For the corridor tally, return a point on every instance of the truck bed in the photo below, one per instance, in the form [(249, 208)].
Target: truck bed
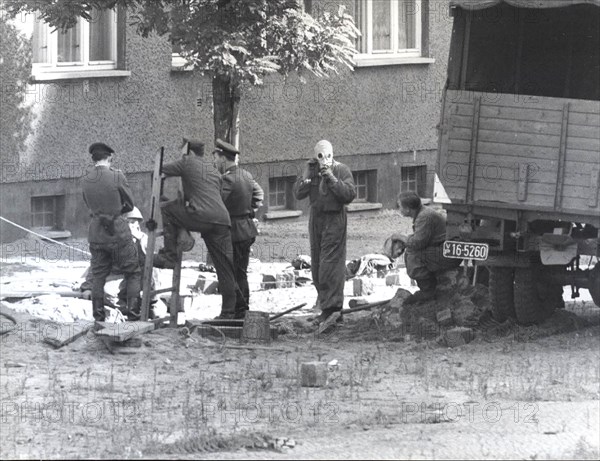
[(529, 152)]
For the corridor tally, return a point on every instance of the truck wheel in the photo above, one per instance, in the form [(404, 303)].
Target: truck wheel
[(595, 284), (502, 293), (534, 303)]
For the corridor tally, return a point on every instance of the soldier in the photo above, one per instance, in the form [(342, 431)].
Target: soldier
[(201, 210), (242, 196), (329, 186), (106, 193), (424, 248)]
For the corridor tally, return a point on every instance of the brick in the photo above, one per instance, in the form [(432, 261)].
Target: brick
[(313, 374), (459, 336), (362, 286), (444, 317)]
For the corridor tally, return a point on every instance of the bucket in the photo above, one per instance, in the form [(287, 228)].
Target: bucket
[(256, 327)]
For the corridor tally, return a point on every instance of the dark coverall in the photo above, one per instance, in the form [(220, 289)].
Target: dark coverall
[(327, 230), (241, 195), (424, 248), (107, 195), (202, 210)]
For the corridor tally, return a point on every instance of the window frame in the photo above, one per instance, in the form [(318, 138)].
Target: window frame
[(356, 175), (420, 178), (278, 180), (395, 54), (56, 214), (53, 70)]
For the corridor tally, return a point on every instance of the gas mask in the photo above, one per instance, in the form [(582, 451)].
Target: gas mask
[(324, 154)]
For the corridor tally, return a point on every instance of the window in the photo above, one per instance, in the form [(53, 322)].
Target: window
[(414, 178), (390, 29), (47, 212), (280, 193), (89, 46), (361, 182)]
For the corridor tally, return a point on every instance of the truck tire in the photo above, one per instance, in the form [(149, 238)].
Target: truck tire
[(534, 303), (502, 293)]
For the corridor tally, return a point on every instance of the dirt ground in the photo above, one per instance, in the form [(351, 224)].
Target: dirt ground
[(394, 389)]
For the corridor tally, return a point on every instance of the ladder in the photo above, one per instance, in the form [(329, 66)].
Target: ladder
[(147, 292)]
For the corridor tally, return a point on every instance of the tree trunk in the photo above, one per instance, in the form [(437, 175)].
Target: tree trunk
[(226, 113)]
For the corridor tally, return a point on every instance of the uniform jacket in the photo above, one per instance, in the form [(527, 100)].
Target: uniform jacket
[(201, 188), (107, 194), (328, 196), (241, 195), (429, 228)]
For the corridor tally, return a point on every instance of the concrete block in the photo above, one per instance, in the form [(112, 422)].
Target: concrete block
[(459, 336), (392, 279), (206, 284), (444, 317), (285, 280), (313, 374), (362, 286), (268, 282)]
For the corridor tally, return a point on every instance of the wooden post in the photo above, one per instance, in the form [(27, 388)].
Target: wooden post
[(562, 152), (154, 212), (473, 149)]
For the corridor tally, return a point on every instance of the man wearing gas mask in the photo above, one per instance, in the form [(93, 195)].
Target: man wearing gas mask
[(329, 186)]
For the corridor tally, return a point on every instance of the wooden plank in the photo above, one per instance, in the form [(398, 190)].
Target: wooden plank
[(579, 119), (582, 156), (583, 131), (521, 113), (66, 333), (580, 205), (175, 301), (523, 139), (522, 185), (458, 145), (517, 151), (461, 133), (594, 185), (520, 126), (583, 106), (591, 145), (562, 151), (154, 214), (123, 331), (473, 151), (461, 121), (460, 108), (510, 164)]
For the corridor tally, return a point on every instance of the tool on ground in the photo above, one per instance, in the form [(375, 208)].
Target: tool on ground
[(292, 309)]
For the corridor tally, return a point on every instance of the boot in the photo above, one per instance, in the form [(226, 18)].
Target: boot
[(426, 291), (133, 309), (185, 241), (98, 309)]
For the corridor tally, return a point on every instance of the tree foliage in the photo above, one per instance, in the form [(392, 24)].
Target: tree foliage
[(236, 42)]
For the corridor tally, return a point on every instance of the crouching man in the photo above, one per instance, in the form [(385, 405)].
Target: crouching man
[(424, 248)]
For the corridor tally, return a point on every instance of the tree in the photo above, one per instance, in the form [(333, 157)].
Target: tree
[(235, 42)]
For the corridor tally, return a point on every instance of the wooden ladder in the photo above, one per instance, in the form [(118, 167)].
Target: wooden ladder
[(147, 292)]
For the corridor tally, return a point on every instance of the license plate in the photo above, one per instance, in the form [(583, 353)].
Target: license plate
[(466, 250)]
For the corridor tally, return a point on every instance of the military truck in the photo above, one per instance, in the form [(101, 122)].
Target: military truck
[(519, 150)]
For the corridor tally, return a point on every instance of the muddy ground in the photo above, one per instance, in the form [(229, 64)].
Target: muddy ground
[(394, 388)]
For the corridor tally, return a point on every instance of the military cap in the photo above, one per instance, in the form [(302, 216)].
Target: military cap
[(100, 147), (226, 149), (196, 146)]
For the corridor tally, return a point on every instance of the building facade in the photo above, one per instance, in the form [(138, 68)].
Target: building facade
[(103, 82)]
